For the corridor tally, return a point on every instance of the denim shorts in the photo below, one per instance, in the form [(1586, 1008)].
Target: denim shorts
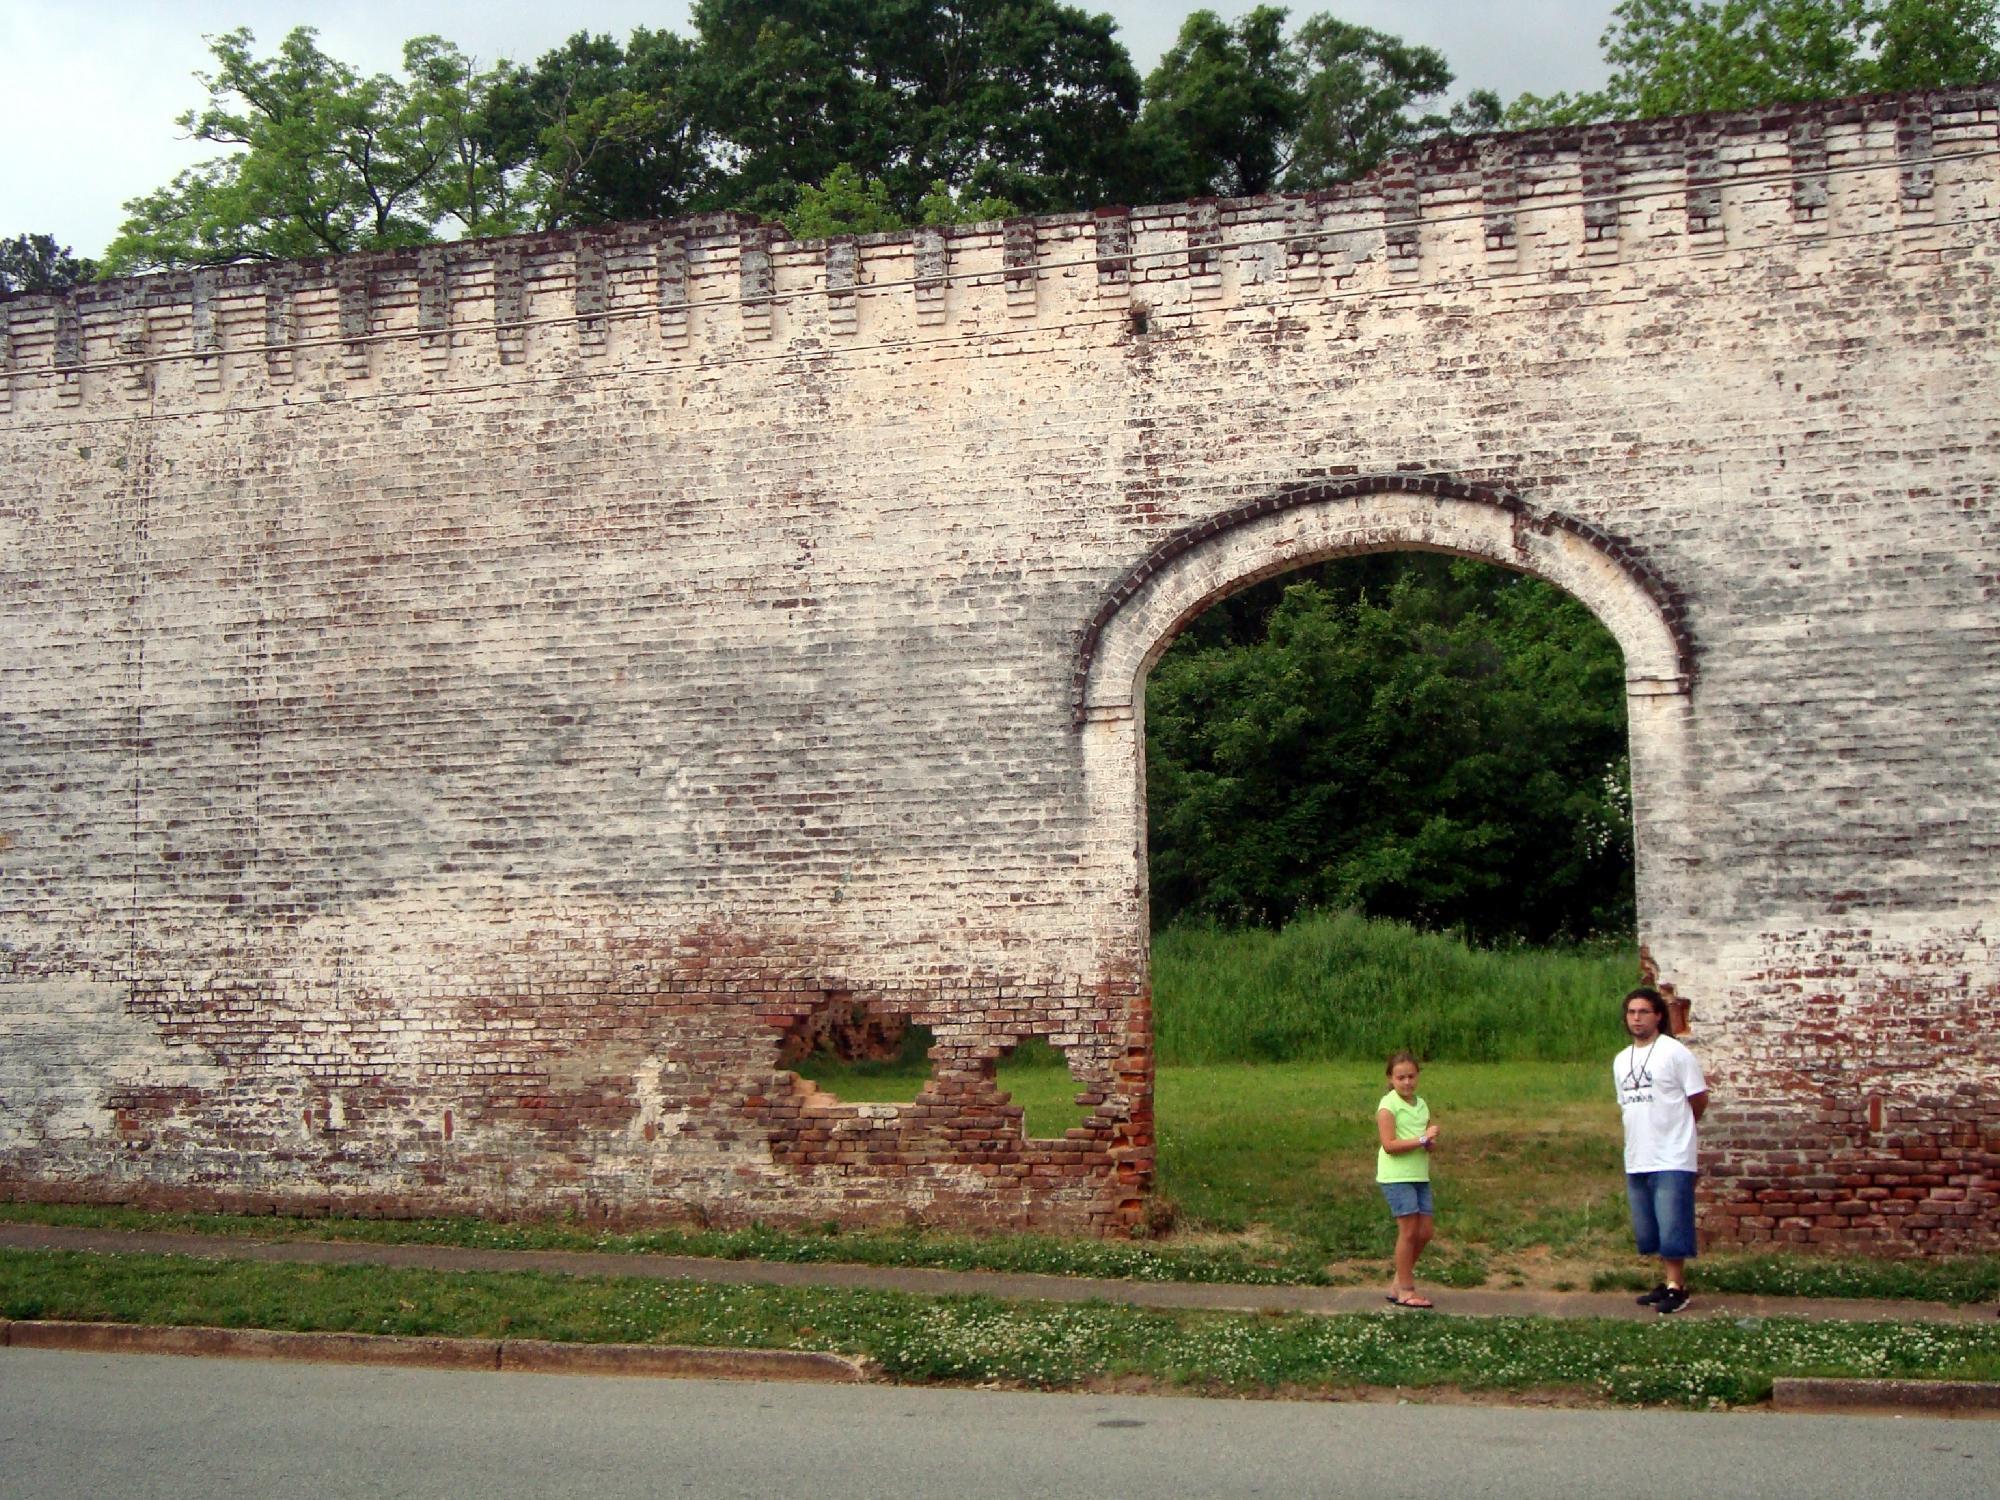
[(1406, 1198), (1662, 1213)]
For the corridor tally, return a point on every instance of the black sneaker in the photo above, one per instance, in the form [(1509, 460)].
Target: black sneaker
[(1652, 1298), (1675, 1299)]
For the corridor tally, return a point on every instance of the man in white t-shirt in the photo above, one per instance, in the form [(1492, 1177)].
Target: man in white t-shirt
[(1662, 1094)]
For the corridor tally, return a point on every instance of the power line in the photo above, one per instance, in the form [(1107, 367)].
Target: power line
[(1294, 235), (1291, 236), (968, 341)]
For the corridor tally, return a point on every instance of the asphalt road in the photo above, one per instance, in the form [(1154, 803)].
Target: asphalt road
[(140, 1426)]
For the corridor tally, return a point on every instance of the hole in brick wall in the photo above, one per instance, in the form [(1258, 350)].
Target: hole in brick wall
[(857, 1052), (1142, 321), (1036, 1076)]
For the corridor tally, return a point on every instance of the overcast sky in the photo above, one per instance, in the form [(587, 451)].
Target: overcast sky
[(89, 88)]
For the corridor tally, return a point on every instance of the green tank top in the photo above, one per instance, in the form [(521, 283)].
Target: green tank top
[(1404, 1166)]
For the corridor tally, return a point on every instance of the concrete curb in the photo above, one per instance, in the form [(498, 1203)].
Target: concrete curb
[(525, 1356), (1931, 1398), (1935, 1398), (544, 1357), (257, 1343)]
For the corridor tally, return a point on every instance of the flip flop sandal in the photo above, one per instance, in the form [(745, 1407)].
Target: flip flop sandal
[(1422, 1302)]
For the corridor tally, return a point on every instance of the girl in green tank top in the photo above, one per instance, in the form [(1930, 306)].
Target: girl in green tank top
[(1403, 1169)]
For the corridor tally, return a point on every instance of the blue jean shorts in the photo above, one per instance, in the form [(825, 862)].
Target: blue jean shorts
[(1662, 1213), (1406, 1198)]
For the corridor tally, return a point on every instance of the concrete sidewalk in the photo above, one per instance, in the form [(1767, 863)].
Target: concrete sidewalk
[(1481, 1303)]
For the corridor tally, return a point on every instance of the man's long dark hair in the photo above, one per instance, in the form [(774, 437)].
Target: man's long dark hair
[(1653, 998)]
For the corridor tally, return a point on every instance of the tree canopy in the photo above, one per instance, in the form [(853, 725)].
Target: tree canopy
[(844, 115), (36, 263), (601, 131), (325, 160), (1672, 57), (1244, 108), (1412, 736), (1029, 100), (848, 203)]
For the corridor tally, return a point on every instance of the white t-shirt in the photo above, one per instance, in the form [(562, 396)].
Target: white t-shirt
[(1654, 1083)]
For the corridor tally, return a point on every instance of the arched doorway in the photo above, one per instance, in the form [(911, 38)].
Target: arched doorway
[(1315, 523)]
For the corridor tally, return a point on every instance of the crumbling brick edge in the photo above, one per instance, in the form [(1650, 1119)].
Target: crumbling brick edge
[(519, 1356), (1938, 1398)]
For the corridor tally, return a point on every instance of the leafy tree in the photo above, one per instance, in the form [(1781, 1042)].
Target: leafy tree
[(943, 206), (1479, 111), (1029, 100), (1222, 106), (1929, 44), (1359, 89), (845, 203), (845, 115), (1412, 736), (612, 132), (1241, 108), (1687, 56), (36, 263), (848, 203), (327, 161), (475, 179)]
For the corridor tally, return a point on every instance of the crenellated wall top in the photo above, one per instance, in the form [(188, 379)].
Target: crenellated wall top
[(1505, 211)]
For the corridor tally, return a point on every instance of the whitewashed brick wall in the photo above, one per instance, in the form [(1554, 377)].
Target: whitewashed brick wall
[(459, 708)]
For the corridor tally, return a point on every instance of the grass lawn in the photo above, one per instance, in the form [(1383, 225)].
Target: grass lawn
[(1334, 985), (1279, 1159), (980, 1340), (1529, 1163)]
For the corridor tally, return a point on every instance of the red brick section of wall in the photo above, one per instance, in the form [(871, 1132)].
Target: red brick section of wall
[(1864, 1112), (461, 710), (557, 1083)]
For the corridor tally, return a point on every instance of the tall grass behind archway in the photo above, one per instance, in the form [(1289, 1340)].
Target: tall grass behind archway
[(1338, 985)]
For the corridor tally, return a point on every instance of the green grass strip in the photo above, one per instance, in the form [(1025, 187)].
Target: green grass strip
[(1688, 1362), (1122, 1260), (1957, 1280)]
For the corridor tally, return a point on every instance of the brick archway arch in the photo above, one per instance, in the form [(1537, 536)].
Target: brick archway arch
[(1310, 523)]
